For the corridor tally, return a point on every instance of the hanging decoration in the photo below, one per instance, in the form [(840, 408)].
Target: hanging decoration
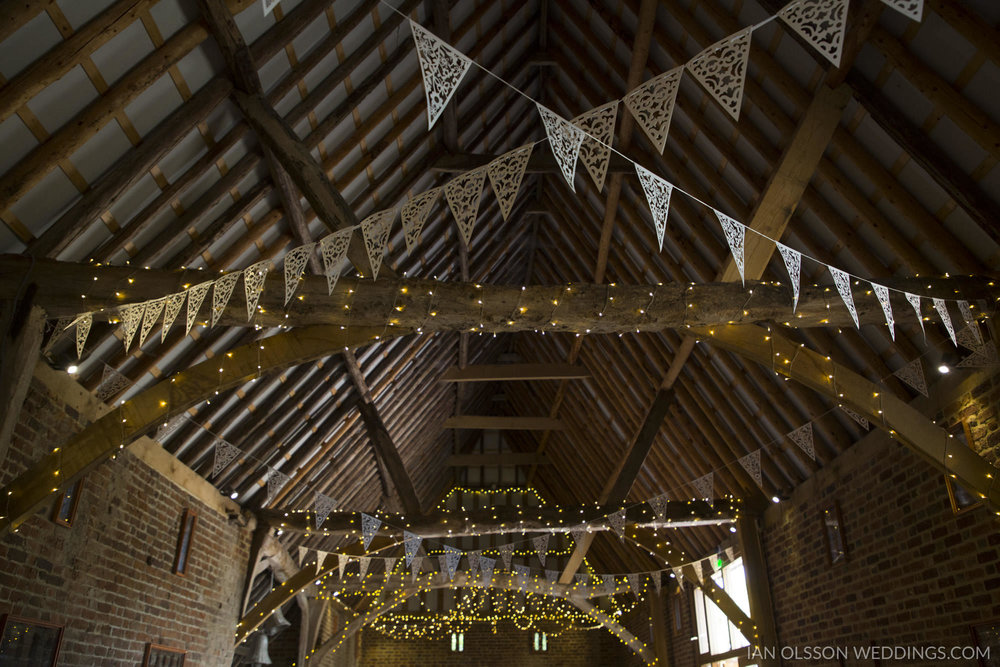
[(972, 326), (633, 583), (506, 173), (473, 557), (486, 566), (608, 583), (551, 576), (913, 375), (843, 282), (414, 215), (253, 284), (659, 506), (276, 480), (369, 526), (449, 561), (171, 309), (225, 453), (442, 66), (149, 317), (303, 554), (751, 463), (599, 128), (578, 533), (658, 197), (679, 576), (541, 544), (652, 105), (793, 264), (322, 506), (222, 290), (342, 562), (463, 194), (882, 293), (914, 300), (705, 486), (734, 232), (657, 578), (375, 230), (803, 437), (390, 562), (913, 9), (195, 296), (411, 543), (295, 265), (970, 337), (565, 140), (722, 70), (942, 308), (131, 317), (984, 356), (617, 522), (415, 567), (521, 573), (819, 22), (364, 562), (861, 420), (333, 249), (83, 324), (164, 430), (506, 551), (321, 559), (112, 382)]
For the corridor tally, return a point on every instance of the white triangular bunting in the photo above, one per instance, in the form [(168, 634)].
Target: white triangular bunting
[(856, 416), (169, 427), (595, 152), (678, 575), (913, 9), (541, 544), (843, 282), (222, 290), (735, 233), (942, 308), (303, 554), (751, 463), (657, 578), (414, 215), (705, 486), (565, 140), (506, 551), (985, 356), (506, 173), (333, 249), (617, 522), (578, 533), (195, 296), (722, 70), (608, 583), (112, 382), (883, 298), (970, 337), (652, 105), (973, 325), (321, 559), (449, 561), (821, 23), (276, 480), (522, 573), (551, 576), (225, 453), (369, 526), (83, 324), (343, 560), (914, 300), (415, 567), (793, 264), (803, 437), (131, 317), (170, 311), (486, 567), (149, 317), (253, 283), (463, 194), (390, 562), (913, 375), (411, 542), (633, 583), (658, 197), (322, 506), (473, 557), (375, 229), (659, 506), (295, 266), (442, 67), (364, 562)]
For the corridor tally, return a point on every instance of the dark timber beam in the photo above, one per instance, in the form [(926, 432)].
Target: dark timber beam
[(21, 327), (504, 423), (489, 460), (758, 584), (513, 372), (540, 162)]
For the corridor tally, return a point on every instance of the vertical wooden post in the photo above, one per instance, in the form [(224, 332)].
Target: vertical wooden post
[(21, 326), (661, 645), (758, 586)]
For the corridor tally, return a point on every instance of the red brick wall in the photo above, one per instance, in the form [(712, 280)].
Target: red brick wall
[(916, 574), (108, 578)]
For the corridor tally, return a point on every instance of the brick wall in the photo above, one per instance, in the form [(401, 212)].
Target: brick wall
[(915, 574), (108, 578)]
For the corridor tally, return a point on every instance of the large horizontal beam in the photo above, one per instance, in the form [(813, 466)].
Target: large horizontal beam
[(542, 161), (512, 372), (66, 289), (492, 423), (501, 459)]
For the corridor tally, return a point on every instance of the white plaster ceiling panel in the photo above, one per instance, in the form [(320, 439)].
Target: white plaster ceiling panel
[(784, 102), (906, 98), (982, 87), (79, 12), (940, 47), (101, 152), (274, 70), (311, 36), (966, 152), (200, 65), (41, 206), (922, 186), (172, 15), (134, 200), (869, 134), (17, 141), (9, 242), (133, 40), (325, 106), (81, 248), (869, 61), (153, 105), (56, 104), (973, 237), (183, 155), (224, 118), (323, 68), (990, 183), (252, 22), (27, 45)]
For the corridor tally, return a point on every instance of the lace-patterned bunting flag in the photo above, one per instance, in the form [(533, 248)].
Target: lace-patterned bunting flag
[(803, 437), (390, 562), (195, 296), (276, 481), (295, 265), (442, 66), (617, 522), (856, 416), (303, 554), (333, 249), (659, 506), (913, 375), (415, 567), (171, 308), (486, 567), (913, 9), (364, 562), (375, 230), (973, 326), (463, 194), (253, 284), (112, 382), (608, 583), (882, 293), (793, 265), (722, 70), (541, 544), (914, 300), (506, 173), (942, 308), (821, 23), (473, 557), (843, 282), (751, 463), (412, 543), (735, 233), (551, 576), (578, 533), (131, 317), (599, 128), (652, 105), (165, 429), (343, 560), (449, 561), (985, 356), (369, 526), (222, 290), (506, 551), (322, 506), (414, 215), (83, 324), (565, 140), (657, 578), (658, 197), (705, 486), (225, 453), (149, 317), (521, 573), (633, 583), (969, 337)]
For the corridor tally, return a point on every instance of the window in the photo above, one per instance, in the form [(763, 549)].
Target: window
[(718, 639), (28, 643), (184, 541), (457, 642), (961, 499), (541, 642), (65, 508), (163, 656), (833, 534)]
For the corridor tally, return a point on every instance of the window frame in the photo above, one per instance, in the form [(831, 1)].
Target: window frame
[(961, 432), (182, 556), (150, 647), (7, 619), (76, 488), (833, 509)]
